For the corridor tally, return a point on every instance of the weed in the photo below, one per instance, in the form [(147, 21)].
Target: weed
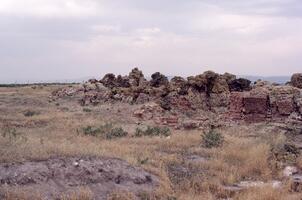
[(212, 139), (153, 131), (89, 130), (120, 195), (30, 113), (107, 131), (116, 133), (142, 161), (87, 110), (81, 194)]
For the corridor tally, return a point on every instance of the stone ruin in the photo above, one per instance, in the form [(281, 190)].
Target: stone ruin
[(219, 94), (259, 104)]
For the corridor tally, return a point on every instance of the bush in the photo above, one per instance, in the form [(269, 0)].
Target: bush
[(30, 113), (116, 133), (152, 131), (89, 130), (107, 131), (87, 110), (212, 139)]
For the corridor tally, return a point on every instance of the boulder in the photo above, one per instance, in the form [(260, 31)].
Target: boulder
[(203, 82), (228, 77), (89, 86), (158, 80), (179, 85), (109, 80), (211, 81), (136, 77), (93, 81), (219, 85), (240, 85), (123, 81), (296, 80), (198, 83), (261, 83)]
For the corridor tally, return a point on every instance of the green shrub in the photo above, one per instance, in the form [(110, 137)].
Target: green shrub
[(87, 110), (152, 131), (142, 161), (106, 131), (89, 130), (212, 139), (116, 133), (30, 113)]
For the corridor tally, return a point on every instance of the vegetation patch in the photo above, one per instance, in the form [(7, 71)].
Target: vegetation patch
[(212, 139), (87, 110), (106, 131), (30, 113), (152, 131)]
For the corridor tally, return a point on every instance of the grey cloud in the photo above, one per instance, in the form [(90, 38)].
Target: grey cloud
[(244, 37)]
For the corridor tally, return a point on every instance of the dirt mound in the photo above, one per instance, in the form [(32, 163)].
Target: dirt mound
[(53, 177)]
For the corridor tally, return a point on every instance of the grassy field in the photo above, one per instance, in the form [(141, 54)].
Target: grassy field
[(34, 128)]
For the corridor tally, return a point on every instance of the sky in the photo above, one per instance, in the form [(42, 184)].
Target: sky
[(69, 39)]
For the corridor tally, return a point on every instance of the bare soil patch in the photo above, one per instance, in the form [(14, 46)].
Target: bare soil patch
[(53, 177)]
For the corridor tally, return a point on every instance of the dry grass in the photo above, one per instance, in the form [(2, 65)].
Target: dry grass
[(121, 195), (18, 194), (267, 193), (81, 194), (245, 154)]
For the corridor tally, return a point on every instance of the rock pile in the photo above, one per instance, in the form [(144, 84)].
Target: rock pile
[(296, 80), (265, 103), (206, 92)]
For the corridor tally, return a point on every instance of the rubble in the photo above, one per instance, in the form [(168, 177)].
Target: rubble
[(208, 92), (240, 85), (296, 80), (158, 80)]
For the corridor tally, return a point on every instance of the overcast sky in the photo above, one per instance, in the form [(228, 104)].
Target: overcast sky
[(61, 39)]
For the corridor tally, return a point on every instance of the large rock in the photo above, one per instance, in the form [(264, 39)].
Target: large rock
[(158, 80), (123, 81), (136, 77), (240, 85), (208, 82), (296, 80), (228, 77), (220, 85), (179, 85), (198, 83), (109, 80)]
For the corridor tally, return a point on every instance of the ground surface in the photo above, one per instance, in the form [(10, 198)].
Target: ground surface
[(62, 175), (44, 151)]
